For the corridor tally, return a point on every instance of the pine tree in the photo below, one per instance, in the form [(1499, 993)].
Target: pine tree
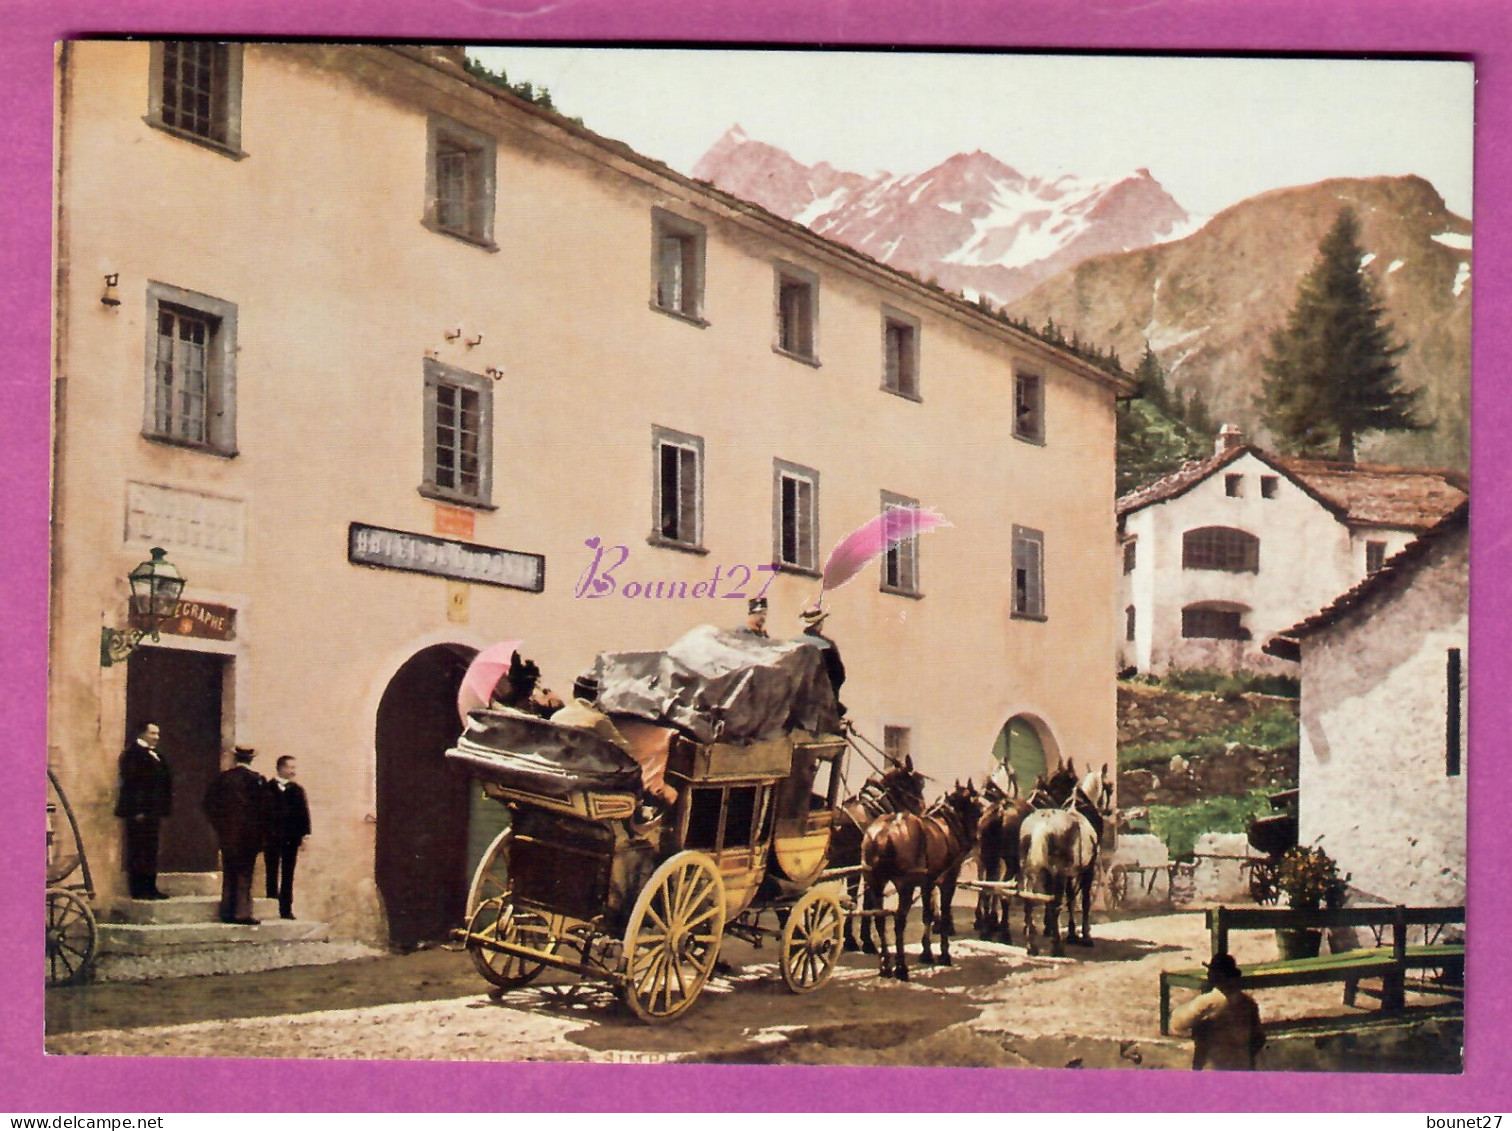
[(1332, 373)]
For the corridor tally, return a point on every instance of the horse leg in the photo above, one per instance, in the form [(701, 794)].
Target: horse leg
[(867, 946), (928, 914), (900, 925), (1052, 916), (1005, 935), (1086, 905), (873, 902), (853, 890), (947, 922), (1031, 938)]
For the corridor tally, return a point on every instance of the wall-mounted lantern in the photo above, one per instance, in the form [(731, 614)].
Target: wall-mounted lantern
[(155, 589)]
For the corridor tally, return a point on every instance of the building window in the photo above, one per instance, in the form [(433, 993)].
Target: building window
[(897, 744), (1233, 486), (1375, 556), (191, 381), (1029, 407), (1455, 718), (1130, 554), (460, 182), (795, 516), (1213, 622), (1129, 624), (797, 298), (900, 354), (900, 563), (678, 493), (677, 265), (1268, 485), (1220, 547), (1028, 573), (458, 435), (195, 93)]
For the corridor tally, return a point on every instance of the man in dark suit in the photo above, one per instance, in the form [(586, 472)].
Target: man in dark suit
[(288, 825), (237, 803), (145, 798)]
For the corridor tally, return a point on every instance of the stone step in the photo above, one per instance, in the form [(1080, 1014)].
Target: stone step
[(150, 938), (183, 909), (226, 958), (189, 883)]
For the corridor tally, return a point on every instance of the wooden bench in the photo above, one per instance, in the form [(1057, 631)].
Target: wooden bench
[(1389, 963)]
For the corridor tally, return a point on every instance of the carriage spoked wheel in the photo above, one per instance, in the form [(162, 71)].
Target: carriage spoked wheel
[(811, 940), (491, 913), (673, 936), (71, 937)]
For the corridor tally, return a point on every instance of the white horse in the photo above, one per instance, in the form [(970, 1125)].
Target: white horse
[(1058, 857)]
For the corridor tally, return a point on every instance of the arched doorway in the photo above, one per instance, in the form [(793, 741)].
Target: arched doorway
[(1020, 746), (421, 864)]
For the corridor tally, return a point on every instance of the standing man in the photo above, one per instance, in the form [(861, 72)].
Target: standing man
[(288, 825), (1224, 1022), (756, 616), (145, 798), (236, 804), (813, 619)]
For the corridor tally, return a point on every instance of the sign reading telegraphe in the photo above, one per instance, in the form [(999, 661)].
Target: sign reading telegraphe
[(441, 557)]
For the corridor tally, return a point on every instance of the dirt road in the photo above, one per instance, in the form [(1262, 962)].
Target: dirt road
[(995, 1007)]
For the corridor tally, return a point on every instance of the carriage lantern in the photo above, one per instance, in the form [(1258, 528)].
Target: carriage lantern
[(155, 589)]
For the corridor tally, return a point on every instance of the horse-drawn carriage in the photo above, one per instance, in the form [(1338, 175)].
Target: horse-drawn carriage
[(593, 879), (72, 935)]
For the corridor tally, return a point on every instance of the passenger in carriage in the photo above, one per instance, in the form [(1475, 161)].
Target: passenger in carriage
[(656, 795), (756, 617), (813, 619), (519, 689)]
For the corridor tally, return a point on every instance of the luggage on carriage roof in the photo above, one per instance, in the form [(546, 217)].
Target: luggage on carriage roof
[(725, 687), (520, 751)]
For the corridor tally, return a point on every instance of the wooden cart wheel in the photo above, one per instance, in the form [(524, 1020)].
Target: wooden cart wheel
[(673, 937), (1118, 886), (811, 941), (71, 937), (500, 920), (491, 877)]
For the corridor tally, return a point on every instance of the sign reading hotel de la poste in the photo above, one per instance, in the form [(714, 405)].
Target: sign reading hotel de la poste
[(441, 557)]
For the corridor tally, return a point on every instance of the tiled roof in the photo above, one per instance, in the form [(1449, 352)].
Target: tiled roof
[(1407, 498), (1403, 563)]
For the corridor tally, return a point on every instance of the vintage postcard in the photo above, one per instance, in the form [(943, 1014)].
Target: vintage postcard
[(710, 556)]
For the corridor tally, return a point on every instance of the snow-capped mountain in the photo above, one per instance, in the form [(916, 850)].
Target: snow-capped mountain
[(972, 223)]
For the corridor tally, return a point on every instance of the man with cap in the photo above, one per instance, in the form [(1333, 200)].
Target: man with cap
[(756, 615), (813, 619), (237, 805), (583, 711), (1224, 1022)]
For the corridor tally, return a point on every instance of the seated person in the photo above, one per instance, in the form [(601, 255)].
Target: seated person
[(583, 712), (517, 686)]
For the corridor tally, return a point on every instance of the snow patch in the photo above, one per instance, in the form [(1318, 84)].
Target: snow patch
[(1454, 239), (1395, 264), (819, 207), (1367, 259), (1167, 337), (1461, 277)]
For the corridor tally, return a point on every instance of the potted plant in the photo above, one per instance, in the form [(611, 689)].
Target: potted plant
[(1309, 878)]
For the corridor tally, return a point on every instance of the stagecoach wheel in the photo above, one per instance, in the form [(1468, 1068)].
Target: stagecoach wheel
[(1118, 886), (71, 938), (491, 877), (811, 941), (673, 937), (498, 920), (1263, 887)]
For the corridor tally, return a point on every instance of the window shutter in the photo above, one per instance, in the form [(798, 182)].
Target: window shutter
[(688, 500)]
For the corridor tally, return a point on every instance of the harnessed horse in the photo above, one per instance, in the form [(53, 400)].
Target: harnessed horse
[(911, 852), (900, 789), (998, 851), (1058, 849)]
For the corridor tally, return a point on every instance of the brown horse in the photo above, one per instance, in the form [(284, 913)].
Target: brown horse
[(1058, 852), (998, 854), (899, 789), (911, 852)]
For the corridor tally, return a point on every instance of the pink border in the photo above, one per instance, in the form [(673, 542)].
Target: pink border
[(1477, 29)]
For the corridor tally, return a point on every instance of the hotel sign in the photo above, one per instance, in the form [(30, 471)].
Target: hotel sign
[(441, 557)]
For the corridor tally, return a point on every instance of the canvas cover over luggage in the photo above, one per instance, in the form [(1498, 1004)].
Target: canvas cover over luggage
[(719, 686), (521, 751)]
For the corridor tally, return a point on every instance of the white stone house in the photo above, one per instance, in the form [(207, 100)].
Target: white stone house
[(1227, 551), (1383, 721)]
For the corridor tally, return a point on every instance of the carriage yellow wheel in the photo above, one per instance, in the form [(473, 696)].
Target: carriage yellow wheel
[(673, 937), (491, 914), (811, 941), (71, 937)]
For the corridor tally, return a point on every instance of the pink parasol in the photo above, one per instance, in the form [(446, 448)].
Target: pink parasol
[(483, 673), (894, 525)]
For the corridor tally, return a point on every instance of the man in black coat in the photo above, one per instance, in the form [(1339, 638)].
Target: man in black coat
[(145, 798), (288, 825), (812, 619), (237, 805)]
